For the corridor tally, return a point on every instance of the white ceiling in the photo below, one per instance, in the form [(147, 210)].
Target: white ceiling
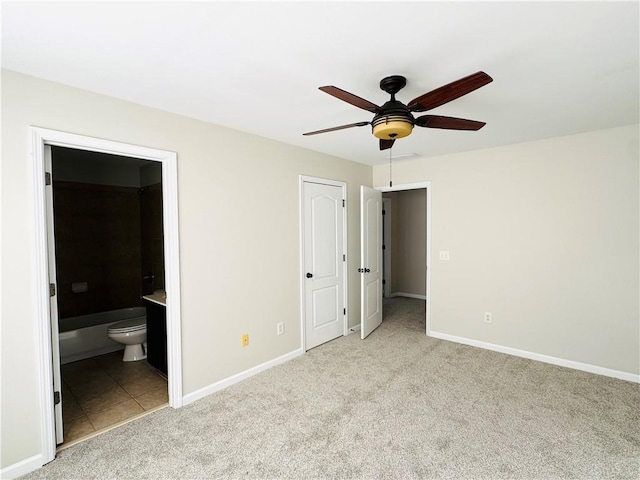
[(558, 68)]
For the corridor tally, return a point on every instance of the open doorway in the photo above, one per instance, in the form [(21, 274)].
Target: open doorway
[(405, 238), (48, 359), (406, 246), (109, 258)]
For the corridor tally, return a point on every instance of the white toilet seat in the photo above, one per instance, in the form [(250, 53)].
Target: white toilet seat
[(129, 326)]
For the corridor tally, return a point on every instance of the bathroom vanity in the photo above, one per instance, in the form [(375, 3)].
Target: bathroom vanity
[(156, 330)]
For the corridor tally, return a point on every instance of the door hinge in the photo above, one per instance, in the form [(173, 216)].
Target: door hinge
[(343, 202), (344, 257), (384, 212), (344, 310), (384, 282), (56, 398), (52, 289), (47, 178), (384, 247)]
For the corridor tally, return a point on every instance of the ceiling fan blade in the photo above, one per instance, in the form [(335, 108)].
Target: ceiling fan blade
[(386, 144), (449, 123), (341, 127), (449, 92), (351, 98)]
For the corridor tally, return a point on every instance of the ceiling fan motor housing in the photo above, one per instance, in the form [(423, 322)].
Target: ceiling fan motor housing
[(394, 121)]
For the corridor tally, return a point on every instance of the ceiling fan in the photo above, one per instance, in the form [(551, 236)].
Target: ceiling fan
[(394, 119)]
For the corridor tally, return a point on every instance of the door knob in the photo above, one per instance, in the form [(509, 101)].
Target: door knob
[(366, 270), (309, 275)]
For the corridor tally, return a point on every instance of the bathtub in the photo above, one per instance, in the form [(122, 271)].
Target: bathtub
[(86, 336)]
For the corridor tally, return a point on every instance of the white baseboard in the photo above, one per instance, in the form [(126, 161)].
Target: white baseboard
[(238, 377), (409, 295), (585, 367), (22, 467)]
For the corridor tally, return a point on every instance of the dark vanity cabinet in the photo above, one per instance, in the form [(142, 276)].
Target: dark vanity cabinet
[(157, 336)]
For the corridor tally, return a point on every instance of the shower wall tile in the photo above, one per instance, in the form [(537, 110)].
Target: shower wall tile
[(98, 238), (151, 229)]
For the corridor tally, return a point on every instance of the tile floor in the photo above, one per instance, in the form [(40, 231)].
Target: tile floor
[(103, 391)]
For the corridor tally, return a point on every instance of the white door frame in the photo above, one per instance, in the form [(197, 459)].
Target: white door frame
[(345, 318), (416, 186), (39, 138)]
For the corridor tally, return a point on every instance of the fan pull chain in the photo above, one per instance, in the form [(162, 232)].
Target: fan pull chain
[(390, 182)]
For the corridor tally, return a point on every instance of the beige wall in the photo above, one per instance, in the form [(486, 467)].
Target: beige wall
[(545, 236), (408, 241), (239, 238)]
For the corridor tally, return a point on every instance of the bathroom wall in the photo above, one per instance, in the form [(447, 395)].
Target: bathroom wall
[(72, 165), (150, 174)]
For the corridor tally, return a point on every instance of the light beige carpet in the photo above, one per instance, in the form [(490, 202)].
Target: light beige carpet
[(397, 405)]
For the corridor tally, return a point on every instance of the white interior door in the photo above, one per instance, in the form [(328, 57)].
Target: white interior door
[(323, 262), (53, 302), (371, 260)]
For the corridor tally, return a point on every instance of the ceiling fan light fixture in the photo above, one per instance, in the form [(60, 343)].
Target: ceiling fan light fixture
[(391, 127)]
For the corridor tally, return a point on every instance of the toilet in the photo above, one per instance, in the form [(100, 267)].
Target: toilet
[(133, 334)]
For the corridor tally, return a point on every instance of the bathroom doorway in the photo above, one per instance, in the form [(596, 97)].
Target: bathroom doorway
[(43, 141), (107, 212)]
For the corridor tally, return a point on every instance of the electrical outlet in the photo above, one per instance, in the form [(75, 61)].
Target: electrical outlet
[(280, 328), (245, 340), (487, 317), (444, 255)]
